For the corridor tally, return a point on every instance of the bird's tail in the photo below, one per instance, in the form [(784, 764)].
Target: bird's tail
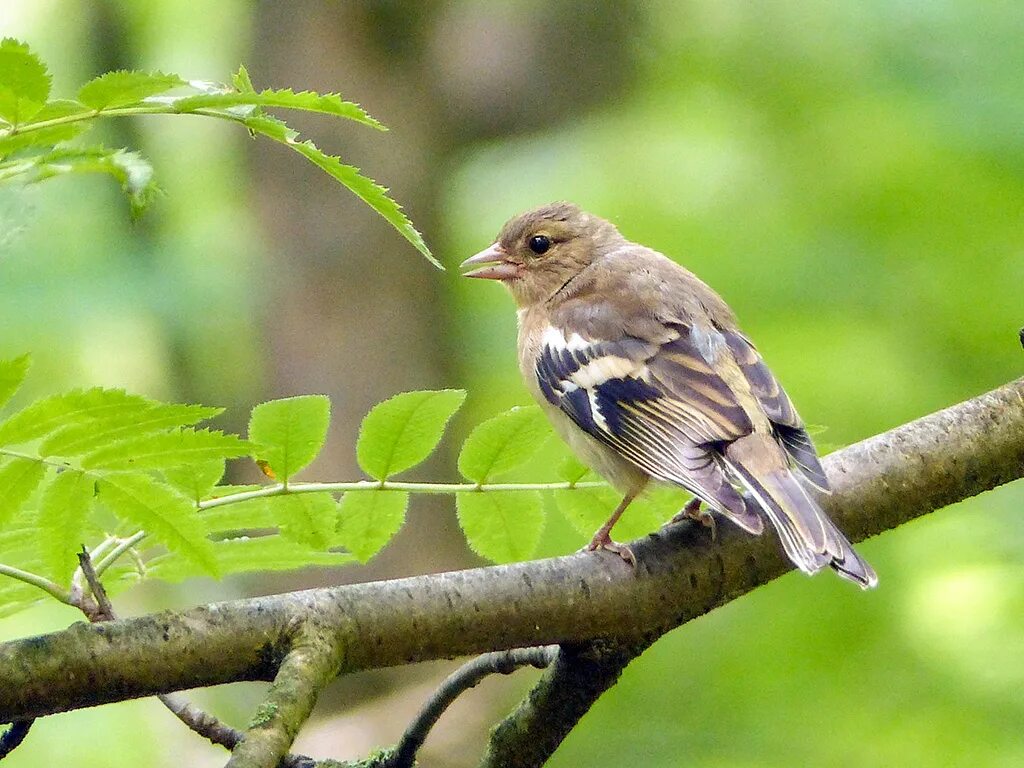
[(810, 539)]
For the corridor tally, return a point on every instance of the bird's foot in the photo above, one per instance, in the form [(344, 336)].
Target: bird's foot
[(693, 511), (602, 540)]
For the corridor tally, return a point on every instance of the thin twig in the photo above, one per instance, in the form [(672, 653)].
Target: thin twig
[(123, 546), (103, 609), (51, 588), (461, 680), (202, 723)]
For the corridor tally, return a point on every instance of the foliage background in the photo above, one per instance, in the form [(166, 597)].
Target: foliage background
[(849, 175)]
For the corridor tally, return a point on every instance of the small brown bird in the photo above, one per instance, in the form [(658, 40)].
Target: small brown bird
[(643, 371)]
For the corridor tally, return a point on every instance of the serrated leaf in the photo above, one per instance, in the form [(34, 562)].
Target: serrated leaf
[(502, 526), (403, 430), (241, 80), (17, 596), (307, 101), (78, 406), (266, 553), (196, 479), (19, 479), (167, 449), (12, 374), (31, 139), (367, 520), (76, 439), (503, 443), (24, 82), (249, 515), (306, 518), (130, 169), (123, 87), (63, 510), (366, 189), (572, 470), (290, 432), (370, 192), (166, 515), (587, 509)]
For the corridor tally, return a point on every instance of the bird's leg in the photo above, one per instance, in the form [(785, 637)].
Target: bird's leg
[(603, 540), (692, 511)]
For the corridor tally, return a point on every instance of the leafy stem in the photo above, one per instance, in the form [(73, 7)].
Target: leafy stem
[(390, 485), (36, 580)]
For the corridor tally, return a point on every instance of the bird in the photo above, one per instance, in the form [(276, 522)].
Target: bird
[(642, 369)]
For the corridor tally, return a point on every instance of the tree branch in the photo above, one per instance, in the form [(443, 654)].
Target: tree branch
[(580, 675), (566, 691), (878, 484), (461, 680), (311, 663)]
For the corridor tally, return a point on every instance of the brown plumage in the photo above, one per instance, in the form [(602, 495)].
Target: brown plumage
[(643, 370)]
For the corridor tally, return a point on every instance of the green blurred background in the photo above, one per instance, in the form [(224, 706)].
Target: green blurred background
[(849, 175)]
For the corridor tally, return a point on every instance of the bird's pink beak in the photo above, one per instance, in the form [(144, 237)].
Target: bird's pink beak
[(494, 264)]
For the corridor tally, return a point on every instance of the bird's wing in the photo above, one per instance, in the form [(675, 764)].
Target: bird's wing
[(659, 405), (788, 427)]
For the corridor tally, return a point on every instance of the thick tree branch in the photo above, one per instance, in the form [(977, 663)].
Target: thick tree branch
[(574, 681), (932, 449), (311, 663), (879, 483)]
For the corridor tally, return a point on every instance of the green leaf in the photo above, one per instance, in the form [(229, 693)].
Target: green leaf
[(367, 520), (134, 173), (78, 406), (76, 439), (19, 479), (571, 469), (196, 479), (249, 515), (241, 80), (63, 511), (289, 433), (17, 596), (24, 82), (308, 101), (503, 443), (166, 515), (366, 189), (587, 509), (306, 518), (402, 431), (12, 374), (167, 449), (118, 89), (266, 553), (31, 139), (503, 526), (370, 192)]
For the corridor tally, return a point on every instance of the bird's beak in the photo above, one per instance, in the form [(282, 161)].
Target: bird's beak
[(494, 264)]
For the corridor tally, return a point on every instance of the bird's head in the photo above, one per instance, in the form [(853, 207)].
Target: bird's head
[(538, 252)]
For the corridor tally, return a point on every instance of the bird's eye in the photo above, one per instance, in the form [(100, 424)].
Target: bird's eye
[(539, 244)]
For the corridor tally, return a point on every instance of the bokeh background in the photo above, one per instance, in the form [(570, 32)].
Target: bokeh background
[(850, 175)]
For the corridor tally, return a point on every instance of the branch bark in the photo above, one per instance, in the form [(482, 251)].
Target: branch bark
[(465, 677), (878, 484)]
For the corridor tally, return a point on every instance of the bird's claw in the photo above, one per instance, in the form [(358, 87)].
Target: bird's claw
[(693, 511), (605, 542)]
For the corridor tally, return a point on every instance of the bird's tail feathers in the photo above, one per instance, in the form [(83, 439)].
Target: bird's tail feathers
[(809, 538)]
